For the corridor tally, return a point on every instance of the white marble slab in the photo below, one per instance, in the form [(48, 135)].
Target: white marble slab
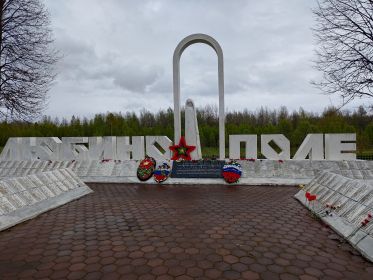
[(23, 198), (354, 198)]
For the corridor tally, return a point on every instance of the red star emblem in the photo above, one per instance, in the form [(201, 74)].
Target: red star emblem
[(182, 150)]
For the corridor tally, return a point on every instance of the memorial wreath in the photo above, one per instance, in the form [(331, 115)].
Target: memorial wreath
[(146, 169), (232, 172)]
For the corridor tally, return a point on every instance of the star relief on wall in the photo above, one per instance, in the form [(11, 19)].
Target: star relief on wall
[(182, 150)]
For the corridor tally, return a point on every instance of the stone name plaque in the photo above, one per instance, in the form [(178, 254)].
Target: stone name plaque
[(198, 169)]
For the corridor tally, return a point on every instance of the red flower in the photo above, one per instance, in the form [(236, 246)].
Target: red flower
[(231, 177), (312, 197), (365, 222), (182, 150), (146, 164), (308, 195)]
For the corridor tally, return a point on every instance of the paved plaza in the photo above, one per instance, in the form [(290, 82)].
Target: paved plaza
[(179, 232)]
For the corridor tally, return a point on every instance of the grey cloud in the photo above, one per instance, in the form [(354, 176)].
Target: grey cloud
[(81, 62), (118, 54), (136, 78)]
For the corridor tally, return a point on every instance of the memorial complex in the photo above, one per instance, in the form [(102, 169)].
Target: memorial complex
[(147, 207)]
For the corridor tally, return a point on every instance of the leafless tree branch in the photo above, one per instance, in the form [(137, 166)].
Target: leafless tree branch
[(344, 33), (26, 58)]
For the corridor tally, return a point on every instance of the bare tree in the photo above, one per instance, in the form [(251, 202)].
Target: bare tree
[(344, 32), (26, 58)]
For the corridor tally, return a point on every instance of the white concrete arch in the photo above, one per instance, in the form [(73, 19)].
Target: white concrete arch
[(186, 42)]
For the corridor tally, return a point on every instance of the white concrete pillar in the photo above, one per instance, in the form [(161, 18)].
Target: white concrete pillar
[(74, 148), (251, 147), (152, 151), (14, 149), (281, 141), (102, 148), (45, 148), (191, 129), (136, 148), (312, 146), (340, 146)]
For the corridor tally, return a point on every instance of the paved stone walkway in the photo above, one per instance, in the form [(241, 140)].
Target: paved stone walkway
[(179, 232)]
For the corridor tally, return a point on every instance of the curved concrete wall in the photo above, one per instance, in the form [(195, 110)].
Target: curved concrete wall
[(186, 42)]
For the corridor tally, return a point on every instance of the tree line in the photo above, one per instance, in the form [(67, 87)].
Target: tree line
[(294, 125)]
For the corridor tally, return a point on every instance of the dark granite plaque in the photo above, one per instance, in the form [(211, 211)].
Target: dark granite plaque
[(197, 169)]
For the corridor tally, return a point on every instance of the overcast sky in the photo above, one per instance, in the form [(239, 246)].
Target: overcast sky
[(117, 55)]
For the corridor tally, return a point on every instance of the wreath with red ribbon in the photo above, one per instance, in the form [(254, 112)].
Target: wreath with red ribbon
[(232, 172), (162, 172), (146, 169)]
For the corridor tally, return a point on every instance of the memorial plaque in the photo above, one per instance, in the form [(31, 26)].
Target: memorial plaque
[(198, 169)]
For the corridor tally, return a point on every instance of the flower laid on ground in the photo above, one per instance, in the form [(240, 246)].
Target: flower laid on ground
[(182, 150), (332, 206), (329, 208), (311, 197), (363, 223), (146, 169), (162, 172), (366, 220), (232, 172)]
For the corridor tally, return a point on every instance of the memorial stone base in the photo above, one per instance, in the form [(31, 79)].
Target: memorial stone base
[(344, 204), (23, 198), (258, 172)]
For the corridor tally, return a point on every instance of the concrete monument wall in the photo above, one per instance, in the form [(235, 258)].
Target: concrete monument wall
[(337, 146), (257, 172), (86, 148), (26, 197), (345, 204)]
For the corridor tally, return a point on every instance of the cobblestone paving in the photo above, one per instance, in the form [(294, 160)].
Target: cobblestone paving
[(179, 232)]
